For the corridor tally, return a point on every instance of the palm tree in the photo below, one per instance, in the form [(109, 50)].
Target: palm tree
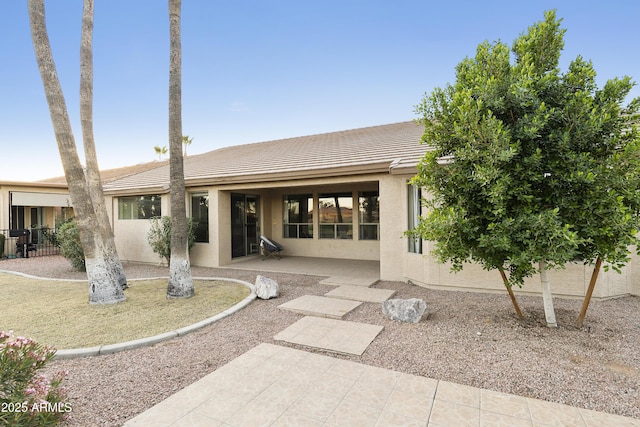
[(180, 279), (160, 151), (186, 141), (104, 284), (94, 182)]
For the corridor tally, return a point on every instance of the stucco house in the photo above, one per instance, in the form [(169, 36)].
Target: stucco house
[(343, 195)]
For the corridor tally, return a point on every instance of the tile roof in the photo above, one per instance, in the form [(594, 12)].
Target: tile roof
[(108, 175), (365, 150)]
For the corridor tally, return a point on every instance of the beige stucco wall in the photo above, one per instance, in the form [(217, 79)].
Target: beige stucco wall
[(633, 273), (573, 281), (131, 234), (4, 208), (393, 218)]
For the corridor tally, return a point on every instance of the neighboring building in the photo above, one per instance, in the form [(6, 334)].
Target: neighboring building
[(35, 208), (335, 195), (42, 206)]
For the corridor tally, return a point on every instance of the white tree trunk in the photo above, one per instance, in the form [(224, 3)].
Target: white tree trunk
[(103, 279), (180, 279), (547, 298)]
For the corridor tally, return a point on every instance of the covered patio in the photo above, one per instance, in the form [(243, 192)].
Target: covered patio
[(338, 271)]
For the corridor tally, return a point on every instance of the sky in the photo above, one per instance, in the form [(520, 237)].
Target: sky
[(260, 70)]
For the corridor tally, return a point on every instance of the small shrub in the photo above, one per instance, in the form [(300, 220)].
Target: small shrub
[(28, 398), (68, 237), (159, 236), (51, 236)]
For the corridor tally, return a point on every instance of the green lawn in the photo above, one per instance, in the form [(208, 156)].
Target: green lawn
[(57, 313)]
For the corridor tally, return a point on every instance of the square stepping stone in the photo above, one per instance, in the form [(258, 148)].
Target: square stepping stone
[(320, 306), (330, 334), (360, 293)]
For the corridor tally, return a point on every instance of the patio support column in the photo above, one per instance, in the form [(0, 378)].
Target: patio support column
[(393, 218)]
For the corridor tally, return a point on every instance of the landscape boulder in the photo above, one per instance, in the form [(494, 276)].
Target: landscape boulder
[(266, 288), (405, 310)]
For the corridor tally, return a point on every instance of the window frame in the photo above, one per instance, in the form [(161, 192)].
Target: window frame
[(301, 229), (414, 211), (368, 225), (339, 230), (136, 206), (201, 236)]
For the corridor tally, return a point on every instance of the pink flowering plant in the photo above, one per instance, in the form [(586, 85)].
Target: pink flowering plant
[(28, 398)]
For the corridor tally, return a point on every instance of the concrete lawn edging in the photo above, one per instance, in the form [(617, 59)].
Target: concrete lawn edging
[(155, 339)]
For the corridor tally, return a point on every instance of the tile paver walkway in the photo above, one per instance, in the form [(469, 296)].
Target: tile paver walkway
[(330, 334), (320, 306), (271, 385), (360, 293)]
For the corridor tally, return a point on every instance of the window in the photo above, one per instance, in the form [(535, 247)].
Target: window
[(369, 205), (298, 216), (61, 215), (17, 217), (414, 208), (139, 207), (200, 216), (336, 216)]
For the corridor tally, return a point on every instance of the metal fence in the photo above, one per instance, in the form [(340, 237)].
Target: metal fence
[(28, 242)]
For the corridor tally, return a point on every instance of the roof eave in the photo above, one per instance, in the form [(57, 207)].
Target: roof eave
[(343, 170), (33, 184), (252, 178)]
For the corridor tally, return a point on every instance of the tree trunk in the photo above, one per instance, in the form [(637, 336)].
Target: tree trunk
[(180, 280), (94, 182), (103, 285), (587, 297), (547, 298), (511, 295)]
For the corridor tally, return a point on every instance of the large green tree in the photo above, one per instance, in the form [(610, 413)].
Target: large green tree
[(531, 167)]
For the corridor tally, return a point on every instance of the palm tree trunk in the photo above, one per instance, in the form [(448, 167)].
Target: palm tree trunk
[(180, 280), (103, 285), (94, 182)]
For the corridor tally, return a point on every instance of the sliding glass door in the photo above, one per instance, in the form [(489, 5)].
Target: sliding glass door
[(245, 224)]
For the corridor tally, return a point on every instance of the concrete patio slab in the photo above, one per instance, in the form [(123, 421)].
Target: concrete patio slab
[(360, 293), (280, 386), (313, 305), (364, 281), (308, 265), (330, 334)]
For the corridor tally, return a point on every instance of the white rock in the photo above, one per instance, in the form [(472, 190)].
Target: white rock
[(406, 310), (266, 288)]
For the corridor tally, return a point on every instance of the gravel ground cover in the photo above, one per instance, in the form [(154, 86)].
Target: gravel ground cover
[(467, 338)]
